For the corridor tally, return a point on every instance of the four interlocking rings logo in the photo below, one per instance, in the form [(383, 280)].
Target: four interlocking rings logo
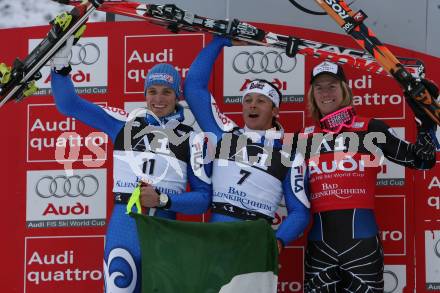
[(71, 186), (437, 248), (393, 281), (86, 54), (259, 61)]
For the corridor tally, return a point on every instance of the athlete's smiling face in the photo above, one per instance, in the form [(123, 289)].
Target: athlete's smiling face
[(161, 100), (258, 111), (328, 94)]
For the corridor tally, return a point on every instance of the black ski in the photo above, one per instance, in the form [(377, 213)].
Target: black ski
[(353, 24), (18, 82), (176, 19)]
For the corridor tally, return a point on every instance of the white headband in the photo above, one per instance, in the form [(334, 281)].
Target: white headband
[(262, 87)]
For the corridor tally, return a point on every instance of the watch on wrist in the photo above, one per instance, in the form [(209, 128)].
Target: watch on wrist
[(164, 200)]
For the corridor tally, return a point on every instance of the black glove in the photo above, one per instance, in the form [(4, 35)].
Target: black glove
[(424, 122), (425, 147), (431, 86)]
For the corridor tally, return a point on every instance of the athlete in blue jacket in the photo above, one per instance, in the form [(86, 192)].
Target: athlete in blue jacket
[(160, 150), (250, 175)]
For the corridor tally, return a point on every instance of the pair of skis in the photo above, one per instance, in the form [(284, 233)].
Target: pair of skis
[(18, 82), (377, 59), (176, 19), (353, 24)]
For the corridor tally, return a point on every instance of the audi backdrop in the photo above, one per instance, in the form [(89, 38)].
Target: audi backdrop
[(89, 60), (242, 64), (54, 199), (57, 172)]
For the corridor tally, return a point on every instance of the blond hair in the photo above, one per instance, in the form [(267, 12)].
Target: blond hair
[(347, 100)]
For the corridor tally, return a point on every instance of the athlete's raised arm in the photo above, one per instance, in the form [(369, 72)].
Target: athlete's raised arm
[(197, 94)]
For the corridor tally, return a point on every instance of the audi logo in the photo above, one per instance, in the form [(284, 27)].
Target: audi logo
[(393, 281), (259, 62), (71, 186), (86, 54), (437, 248)]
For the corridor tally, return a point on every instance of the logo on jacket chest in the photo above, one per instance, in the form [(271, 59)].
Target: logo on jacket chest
[(347, 164), (329, 144), (158, 145), (254, 156)]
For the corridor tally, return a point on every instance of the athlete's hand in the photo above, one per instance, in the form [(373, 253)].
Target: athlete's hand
[(60, 61), (149, 196), (424, 122), (425, 147), (432, 88)]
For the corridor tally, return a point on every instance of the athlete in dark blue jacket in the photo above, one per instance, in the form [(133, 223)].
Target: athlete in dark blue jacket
[(160, 151), (250, 175)]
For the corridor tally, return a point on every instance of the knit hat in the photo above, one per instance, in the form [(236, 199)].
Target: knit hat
[(163, 74), (330, 68)]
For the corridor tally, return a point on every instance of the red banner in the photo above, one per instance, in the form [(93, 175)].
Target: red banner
[(59, 236)]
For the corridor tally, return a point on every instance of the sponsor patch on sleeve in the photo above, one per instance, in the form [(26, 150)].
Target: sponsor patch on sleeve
[(116, 113), (222, 120)]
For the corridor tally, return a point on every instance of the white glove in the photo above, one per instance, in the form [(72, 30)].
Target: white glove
[(61, 58)]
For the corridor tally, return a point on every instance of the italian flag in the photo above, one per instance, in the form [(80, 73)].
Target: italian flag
[(188, 257)]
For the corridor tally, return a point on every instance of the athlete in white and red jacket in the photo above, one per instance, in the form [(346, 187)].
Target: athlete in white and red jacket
[(343, 159)]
